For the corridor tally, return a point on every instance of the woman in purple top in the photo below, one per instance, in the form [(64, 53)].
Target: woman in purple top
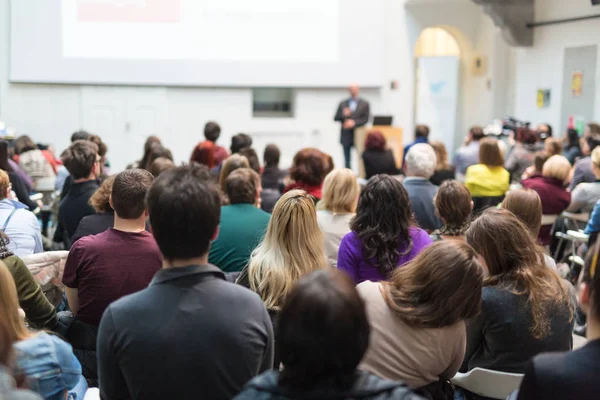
[(383, 235)]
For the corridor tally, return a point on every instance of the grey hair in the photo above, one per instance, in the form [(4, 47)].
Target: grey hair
[(421, 161)]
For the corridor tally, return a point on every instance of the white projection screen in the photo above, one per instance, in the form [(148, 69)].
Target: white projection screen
[(277, 43)]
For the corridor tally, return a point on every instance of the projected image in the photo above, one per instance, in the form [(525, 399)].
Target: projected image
[(223, 30)]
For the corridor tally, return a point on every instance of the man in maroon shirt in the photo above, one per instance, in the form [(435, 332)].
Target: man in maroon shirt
[(103, 268)]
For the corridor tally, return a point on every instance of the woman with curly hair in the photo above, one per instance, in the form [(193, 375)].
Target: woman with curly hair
[(454, 206), (383, 235), (105, 216)]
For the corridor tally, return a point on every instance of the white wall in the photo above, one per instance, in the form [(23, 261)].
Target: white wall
[(124, 116), (541, 67)]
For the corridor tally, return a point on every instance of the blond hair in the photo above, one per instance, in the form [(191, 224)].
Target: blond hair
[(4, 184), (233, 162), (340, 192), (557, 167), (9, 306), (596, 157), (291, 248), (441, 155)]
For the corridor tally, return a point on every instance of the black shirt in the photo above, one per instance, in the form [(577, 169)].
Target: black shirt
[(272, 178), (379, 162), (573, 375), (74, 207), (190, 334), (21, 190), (94, 224), (442, 175)]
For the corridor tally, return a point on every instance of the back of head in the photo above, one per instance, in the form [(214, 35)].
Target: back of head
[(100, 201), (421, 161), (593, 128), (323, 331), (572, 138), (489, 153), (185, 208), (271, 155), (23, 144), (129, 193), (593, 141), (439, 287), (553, 146), (421, 131), (477, 133), (375, 141), (102, 148), (150, 141), (526, 136), (277, 263), (441, 155), (539, 160), (79, 135), (212, 131), (340, 192), (9, 306), (557, 167), (252, 157), (80, 158), (4, 185), (204, 154), (309, 167), (233, 162), (516, 263), (156, 151), (453, 204), (382, 221), (526, 205), (4, 164), (160, 165), (240, 141), (241, 186)]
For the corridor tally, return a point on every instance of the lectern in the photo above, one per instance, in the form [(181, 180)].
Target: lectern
[(393, 136)]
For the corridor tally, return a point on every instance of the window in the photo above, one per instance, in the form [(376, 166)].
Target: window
[(273, 102)]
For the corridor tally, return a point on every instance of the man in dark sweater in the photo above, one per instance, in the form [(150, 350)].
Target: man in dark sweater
[(190, 333), (83, 163)]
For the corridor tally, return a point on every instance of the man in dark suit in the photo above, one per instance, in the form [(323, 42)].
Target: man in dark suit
[(352, 113)]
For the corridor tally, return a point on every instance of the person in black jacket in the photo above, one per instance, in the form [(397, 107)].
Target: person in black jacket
[(18, 186), (323, 335), (376, 158), (352, 113), (105, 215)]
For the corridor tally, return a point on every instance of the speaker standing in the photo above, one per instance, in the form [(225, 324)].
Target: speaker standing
[(352, 113)]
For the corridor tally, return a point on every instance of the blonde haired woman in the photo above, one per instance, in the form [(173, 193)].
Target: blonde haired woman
[(291, 248), (47, 362), (336, 209)]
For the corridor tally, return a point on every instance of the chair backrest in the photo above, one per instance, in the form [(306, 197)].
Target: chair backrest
[(549, 219), (488, 383)]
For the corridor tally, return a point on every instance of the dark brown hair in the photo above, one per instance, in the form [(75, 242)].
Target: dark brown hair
[(129, 193), (526, 135), (212, 131), (594, 128), (160, 165), (241, 186), (554, 145), (80, 158), (309, 167), (156, 150), (23, 144), (271, 155), (526, 205), (100, 200), (252, 157), (421, 131), (539, 160), (150, 141), (516, 263), (102, 148), (477, 133), (489, 153), (439, 287), (453, 205)]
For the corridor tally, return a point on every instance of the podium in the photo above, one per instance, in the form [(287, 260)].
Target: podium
[(393, 137)]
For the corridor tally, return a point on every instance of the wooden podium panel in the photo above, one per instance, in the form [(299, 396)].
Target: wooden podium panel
[(392, 135)]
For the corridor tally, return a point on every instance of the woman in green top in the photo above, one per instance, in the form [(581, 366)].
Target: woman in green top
[(38, 310)]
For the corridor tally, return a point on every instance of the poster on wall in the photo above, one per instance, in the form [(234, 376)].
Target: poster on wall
[(543, 98), (577, 84)]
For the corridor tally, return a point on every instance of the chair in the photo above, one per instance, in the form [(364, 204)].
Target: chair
[(488, 383)]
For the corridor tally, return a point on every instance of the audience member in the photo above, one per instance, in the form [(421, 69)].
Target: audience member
[(103, 268), (377, 158), (308, 171), (19, 224), (243, 224), (240, 141), (190, 316), (571, 375), (252, 157), (443, 170), (336, 209), (536, 170), (521, 155), (582, 171), (104, 218), (572, 148), (235, 161), (39, 312), (555, 198), (160, 165), (212, 131), (204, 154), (83, 163), (143, 162), (421, 136), (102, 150), (544, 132), (527, 308), (468, 154), (418, 317), (593, 226), (488, 181), (453, 205), (383, 234), (79, 135), (553, 147), (47, 362), (272, 177), (156, 151), (276, 264), (420, 165), (585, 196), (18, 185), (38, 164), (323, 334)]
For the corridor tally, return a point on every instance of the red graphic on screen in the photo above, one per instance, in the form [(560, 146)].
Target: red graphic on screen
[(129, 10)]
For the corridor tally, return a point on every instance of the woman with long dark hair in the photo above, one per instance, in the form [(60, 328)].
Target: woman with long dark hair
[(572, 148), (383, 235), (18, 186)]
